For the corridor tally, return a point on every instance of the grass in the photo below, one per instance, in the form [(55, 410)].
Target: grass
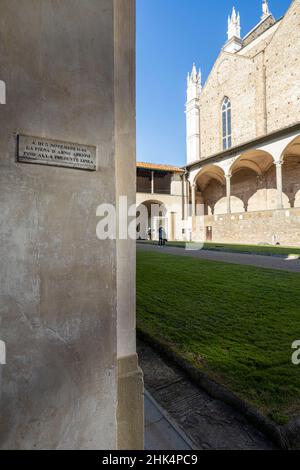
[(235, 323), (259, 249)]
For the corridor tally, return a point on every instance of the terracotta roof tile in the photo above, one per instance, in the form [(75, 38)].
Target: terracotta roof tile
[(155, 166)]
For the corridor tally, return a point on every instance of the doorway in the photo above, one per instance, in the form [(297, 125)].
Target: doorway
[(209, 234)]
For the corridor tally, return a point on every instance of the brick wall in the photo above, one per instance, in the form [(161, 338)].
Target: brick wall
[(282, 59), (233, 76), (262, 83)]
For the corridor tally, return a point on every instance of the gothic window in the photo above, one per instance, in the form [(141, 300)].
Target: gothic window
[(226, 123)]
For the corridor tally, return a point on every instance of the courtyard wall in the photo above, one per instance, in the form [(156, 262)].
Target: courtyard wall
[(265, 227)]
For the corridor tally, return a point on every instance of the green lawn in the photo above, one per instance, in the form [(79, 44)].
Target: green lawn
[(236, 323), (259, 249)]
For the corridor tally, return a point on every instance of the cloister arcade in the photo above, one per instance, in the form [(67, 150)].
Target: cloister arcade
[(258, 179)]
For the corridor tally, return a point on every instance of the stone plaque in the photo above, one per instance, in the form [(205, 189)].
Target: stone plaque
[(56, 153)]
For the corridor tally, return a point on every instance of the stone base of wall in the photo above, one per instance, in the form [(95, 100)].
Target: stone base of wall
[(268, 227), (130, 415)]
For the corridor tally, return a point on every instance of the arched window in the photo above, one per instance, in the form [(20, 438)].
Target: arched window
[(226, 123)]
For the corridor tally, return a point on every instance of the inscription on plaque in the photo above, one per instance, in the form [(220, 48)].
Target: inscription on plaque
[(54, 152)]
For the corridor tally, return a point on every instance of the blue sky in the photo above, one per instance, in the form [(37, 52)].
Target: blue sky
[(171, 35)]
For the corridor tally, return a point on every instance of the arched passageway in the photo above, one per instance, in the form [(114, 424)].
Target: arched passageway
[(209, 190), (253, 182), (256, 181), (150, 216), (250, 184)]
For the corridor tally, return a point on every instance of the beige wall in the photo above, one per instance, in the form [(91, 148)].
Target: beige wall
[(176, 185), (257, 227), (125, 167), (58, 282), (235, 77), (282, 59)]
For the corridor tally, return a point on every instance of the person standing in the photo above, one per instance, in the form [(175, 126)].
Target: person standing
[(161, 236)]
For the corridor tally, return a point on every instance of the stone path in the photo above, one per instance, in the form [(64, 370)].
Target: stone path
[(161, 433), (272, 262), (208, 423)]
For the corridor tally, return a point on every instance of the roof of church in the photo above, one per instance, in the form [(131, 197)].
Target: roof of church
[(158, 167), (237, 44), (259, 29)]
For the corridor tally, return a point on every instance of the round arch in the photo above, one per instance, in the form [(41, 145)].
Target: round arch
[(150, 215), (210, 184), (258, 161), (292, 149), (207, 173), (253, 181)]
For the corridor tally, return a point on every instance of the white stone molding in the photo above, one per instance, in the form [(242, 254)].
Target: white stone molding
[(194, 88), (234, 42), (234, 25), (265, 10)]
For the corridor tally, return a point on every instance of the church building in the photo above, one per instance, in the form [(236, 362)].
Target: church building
[(243, 135)]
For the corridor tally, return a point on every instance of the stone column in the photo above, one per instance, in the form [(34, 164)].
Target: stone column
[(279, 184), (194, 187), (152, 183), (130, 400), (228, 192)]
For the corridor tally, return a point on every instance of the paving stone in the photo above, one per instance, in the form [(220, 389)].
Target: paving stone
[(158, 373), (207, 422), (160, 434), (152, 413)]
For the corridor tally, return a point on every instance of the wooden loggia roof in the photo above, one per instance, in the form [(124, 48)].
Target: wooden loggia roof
[(158, 167)]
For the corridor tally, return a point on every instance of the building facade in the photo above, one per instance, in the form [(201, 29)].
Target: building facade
[(163, 192), (243, 135)]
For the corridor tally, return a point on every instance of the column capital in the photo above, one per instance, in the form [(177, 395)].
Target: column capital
[(228, 175), (279, 163)]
